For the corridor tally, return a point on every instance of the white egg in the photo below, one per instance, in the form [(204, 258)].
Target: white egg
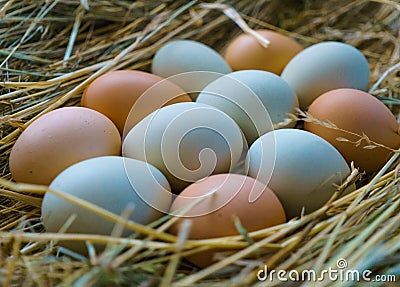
[(111, 182), (187, 142), (326, 66), (301, 168), (254, 99)]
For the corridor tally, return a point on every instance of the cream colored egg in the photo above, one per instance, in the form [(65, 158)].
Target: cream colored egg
[(186, 141)]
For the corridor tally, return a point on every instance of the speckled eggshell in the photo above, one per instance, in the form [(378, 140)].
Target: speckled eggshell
[(300, 167), (254, 99), (115, 93), (224, 196), (111, 182), (362, 114), (246, 53), (323, 67), (59, 139), (180, 56), (186, 141)]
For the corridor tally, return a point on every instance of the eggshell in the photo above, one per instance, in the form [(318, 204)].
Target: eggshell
[(323, 67), (111, 182), (255, 100), (300, 167), (115, 93), (246, 53), (182, 56), (59, 139), (359, 113), (216, 200), (186, 141)]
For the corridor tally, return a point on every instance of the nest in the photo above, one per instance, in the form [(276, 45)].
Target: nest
[(51, 50)]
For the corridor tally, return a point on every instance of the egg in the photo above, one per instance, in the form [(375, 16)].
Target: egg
[(300, 167), (216, 200), (111, 182), (186, 142), (246, 53), (59, 139), (323, 67), (182, 56), (360, 114), (254, 99), (115, 93)]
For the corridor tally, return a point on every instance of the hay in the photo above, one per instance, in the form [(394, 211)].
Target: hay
[(51, 50)]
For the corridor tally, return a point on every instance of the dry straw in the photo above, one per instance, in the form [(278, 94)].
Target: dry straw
[(51, 50)]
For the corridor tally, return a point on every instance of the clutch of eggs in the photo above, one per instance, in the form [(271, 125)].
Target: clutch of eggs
[(173, 145)]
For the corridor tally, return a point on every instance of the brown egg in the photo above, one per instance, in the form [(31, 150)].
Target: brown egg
[(226, 195), (59, 139), (360, 113), (115, 93), (246, 53)]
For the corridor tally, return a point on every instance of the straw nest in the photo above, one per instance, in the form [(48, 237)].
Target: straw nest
[(51, 50)]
